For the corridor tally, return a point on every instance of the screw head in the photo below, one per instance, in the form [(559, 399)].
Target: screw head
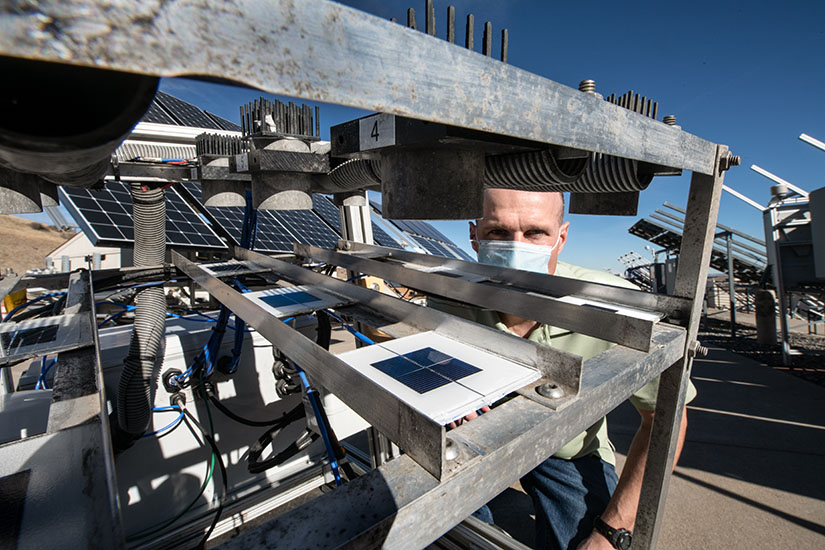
[(450, 450), (550, 390)]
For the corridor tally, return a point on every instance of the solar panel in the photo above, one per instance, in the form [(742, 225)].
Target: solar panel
[(330, 214), (442, 378), (157, 115), (327, 211), (223, 123), (42, 336), (459, 252), (293, 300), (307, 228), (106, 217), (186, 113)]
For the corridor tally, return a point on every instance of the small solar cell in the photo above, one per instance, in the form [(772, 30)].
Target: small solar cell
[(423, 380), (426, 356), (29, 337), (454, 369), (227, 268), (289, 298), (396, 366), (277, 300)]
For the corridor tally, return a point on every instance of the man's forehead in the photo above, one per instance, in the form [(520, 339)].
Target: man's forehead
[(498, 202)]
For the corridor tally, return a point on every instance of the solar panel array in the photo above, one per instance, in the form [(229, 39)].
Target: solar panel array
[(277, 230), (427, 237), (329, 213), (106, 217), (168, 109)]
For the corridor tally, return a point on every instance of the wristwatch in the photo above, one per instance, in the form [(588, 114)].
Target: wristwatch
[(619, 538)]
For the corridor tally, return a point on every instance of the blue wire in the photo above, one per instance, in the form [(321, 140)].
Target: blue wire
[(167, 427), (312, 395), (44, 370), (349, 328), (243, 288), (30, 302), (164, 409)]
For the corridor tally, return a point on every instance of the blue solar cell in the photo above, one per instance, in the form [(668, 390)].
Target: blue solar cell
[(426, 356), (289, 298), (454, 369), (277, 300), (396, 366), (423, 380)]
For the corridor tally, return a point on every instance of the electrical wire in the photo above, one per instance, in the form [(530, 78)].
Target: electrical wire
[(351, 330), (190, 421), (323, 426), (44, 370), (171, 426), (10, 314)]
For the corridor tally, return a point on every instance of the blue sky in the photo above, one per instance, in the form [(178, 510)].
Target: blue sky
[(746, 74)]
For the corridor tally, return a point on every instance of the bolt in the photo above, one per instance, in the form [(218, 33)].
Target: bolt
[(730, 160), (346, 245), (697, 349), (588, 86), (450, 450), (670, 120), (550, 390)]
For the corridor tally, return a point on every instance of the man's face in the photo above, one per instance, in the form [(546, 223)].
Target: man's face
[(524, 216)]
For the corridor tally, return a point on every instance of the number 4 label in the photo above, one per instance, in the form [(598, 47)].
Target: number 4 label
[(376, 131)]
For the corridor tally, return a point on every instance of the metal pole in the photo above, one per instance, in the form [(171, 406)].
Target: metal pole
[(772, 246), (731, 286), (691, 276)]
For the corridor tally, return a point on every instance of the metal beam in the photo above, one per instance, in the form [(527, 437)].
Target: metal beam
[(777, 179), (280, 54), (670, 306), (812, 141), (691, 276), (599, 323), (397, 499)]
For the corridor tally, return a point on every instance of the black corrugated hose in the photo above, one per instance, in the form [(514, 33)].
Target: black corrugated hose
[(141, 368)]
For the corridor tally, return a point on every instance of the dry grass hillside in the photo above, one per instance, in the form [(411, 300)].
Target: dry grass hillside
[(24, 244)]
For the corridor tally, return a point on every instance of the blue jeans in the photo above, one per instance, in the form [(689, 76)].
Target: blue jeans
[(567, 496)]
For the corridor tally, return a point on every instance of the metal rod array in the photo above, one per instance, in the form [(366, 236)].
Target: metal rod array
[(487, 39), (277, 117), (636, 103), (217, 144)]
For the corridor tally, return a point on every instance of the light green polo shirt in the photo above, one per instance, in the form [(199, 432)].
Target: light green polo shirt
[(594, 439)]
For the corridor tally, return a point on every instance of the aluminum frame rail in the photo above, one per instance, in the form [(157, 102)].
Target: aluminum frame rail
[(72, 462), (420, 437), (388, 506), (508, 298), (279, 54)]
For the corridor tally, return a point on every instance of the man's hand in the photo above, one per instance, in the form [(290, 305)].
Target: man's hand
[(467, 418), (595, 542)]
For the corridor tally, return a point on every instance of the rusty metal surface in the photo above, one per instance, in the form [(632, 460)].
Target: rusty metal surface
[(327, 52)]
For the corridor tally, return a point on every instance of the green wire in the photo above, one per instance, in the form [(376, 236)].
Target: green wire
[(210, 470), (146, 533)]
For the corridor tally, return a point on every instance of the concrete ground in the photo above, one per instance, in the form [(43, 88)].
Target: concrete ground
[(750, 475)]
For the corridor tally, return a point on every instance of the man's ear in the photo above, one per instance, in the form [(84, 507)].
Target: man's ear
[(473, 236), (562, 236)]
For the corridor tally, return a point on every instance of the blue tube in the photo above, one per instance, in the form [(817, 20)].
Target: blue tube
[(165, 428), (349, 328), (30, 302), (312, 395)]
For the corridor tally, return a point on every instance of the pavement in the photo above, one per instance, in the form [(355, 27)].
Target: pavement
[(751, 472)]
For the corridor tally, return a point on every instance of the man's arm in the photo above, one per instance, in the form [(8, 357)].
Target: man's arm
[(621, 510)]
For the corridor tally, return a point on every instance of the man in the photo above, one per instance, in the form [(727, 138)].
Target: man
[(577, 488)]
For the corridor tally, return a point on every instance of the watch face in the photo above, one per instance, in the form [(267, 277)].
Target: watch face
[(623, 540)]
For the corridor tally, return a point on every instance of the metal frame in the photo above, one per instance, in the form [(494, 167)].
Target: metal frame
[(72, 474), (497, 448)]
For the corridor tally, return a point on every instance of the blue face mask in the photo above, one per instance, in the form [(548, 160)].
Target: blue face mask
[(516, 255)]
